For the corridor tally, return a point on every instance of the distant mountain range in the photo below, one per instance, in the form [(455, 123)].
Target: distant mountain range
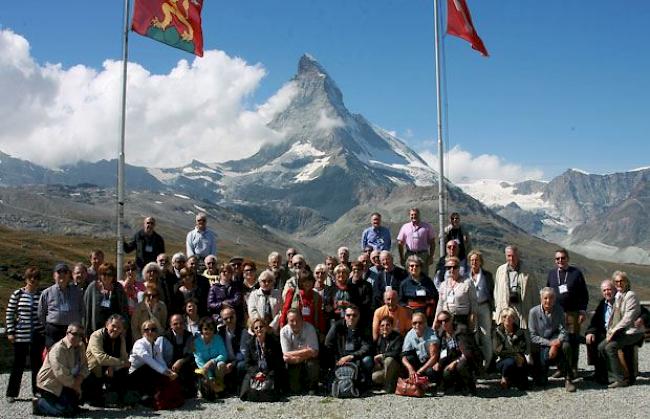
[(318, 186), (602, 216)]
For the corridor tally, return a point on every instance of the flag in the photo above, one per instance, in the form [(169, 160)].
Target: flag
[(173, 22), (459, 23)]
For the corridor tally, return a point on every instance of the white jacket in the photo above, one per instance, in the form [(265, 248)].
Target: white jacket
[(146, 353)]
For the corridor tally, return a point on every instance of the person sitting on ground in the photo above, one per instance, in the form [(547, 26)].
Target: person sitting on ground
[(182, 354), (510, 347), (59, 380), (420, 350), (388, 349), (299, 343), (417, 292), (149, 372), (346, 343), (455, 365), (104, 297), (623, 329), (401, 315), (308, 302), (210, 356), (108, 362), (549, 340), (151, 308), (266, 302), (264, 363)]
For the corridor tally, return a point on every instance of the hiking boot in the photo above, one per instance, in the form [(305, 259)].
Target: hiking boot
[(569, 386)]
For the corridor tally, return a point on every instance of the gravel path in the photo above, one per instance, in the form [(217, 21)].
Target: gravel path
[(589, 401)]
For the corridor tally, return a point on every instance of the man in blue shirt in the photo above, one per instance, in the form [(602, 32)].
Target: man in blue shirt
[(376, 236)]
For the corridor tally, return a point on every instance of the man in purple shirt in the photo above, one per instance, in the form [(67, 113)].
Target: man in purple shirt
[(417, 238)]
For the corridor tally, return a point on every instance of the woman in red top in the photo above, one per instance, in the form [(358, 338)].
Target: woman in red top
[(308, 301)]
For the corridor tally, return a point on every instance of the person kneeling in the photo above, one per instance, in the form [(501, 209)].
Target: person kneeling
[(299, 343), (59, 379), (510, 349), (387, 355), (148, 373), (210, 355)]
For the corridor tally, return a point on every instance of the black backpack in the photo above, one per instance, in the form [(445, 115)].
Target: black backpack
[(345, 380)]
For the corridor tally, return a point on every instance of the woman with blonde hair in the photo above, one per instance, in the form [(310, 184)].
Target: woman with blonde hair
[(510, 347)]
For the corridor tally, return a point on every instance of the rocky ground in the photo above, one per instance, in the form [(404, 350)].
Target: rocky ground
[(590, 401)]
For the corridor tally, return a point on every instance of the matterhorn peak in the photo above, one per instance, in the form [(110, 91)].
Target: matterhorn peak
[(314, 82)]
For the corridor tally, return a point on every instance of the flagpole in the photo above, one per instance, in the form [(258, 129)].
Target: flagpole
[(120, 160), (441, 178)]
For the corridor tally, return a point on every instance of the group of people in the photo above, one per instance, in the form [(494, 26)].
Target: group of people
[(169, 329)]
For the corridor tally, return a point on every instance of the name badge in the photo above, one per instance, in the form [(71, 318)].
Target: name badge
[(64, 306), (306, 311), (564, 289), (148, 248), (443, 354), (451, 298), (106, 303), (421, 293)]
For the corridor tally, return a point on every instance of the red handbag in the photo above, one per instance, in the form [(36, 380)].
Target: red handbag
[(410, 388)]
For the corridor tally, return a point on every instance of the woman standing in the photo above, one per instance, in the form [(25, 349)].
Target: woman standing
[(417, 291), (151, 308), (25, 331), (104, 297), (132, 287)]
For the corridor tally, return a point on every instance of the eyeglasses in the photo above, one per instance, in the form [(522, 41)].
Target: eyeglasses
[(201, 220), (150, 223), (150, 329), (561, 258), (414, 266), (451, 268), (258, 328), (351, 315), (319, 273), (76, 334)]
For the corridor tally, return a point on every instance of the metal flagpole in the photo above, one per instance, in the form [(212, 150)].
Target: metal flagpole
[(441, 178), (120, 159)]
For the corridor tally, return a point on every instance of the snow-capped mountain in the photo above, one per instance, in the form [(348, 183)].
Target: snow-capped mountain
[(602, 216), (327, 161)]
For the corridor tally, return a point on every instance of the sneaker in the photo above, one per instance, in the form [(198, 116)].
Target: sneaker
[(569, 386), (618, 384), (557, 374)]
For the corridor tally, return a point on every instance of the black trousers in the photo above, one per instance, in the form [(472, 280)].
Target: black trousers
[(21, 351)]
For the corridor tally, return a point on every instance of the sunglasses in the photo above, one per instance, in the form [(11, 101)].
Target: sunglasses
[(150, 329), (451, 268), (258, 328), (414, 266), (76, 334)]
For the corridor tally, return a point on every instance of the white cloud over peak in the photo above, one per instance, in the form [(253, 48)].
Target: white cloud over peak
[(52, 116), (462, 167), (327, 122)]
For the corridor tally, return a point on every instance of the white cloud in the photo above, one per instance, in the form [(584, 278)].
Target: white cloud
[(53, 116), (327, 122), (462, 167)]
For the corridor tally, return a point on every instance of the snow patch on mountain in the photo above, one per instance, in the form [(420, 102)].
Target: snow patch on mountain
[(494, 192), (310, 172)]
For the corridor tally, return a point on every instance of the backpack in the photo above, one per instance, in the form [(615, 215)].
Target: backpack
[(344, 384)]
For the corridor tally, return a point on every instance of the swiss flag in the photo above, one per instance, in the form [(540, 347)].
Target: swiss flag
[(459, 23)]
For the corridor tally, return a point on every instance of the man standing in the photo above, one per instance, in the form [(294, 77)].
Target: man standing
[(300, 352), (60, 305), (571, 291), (597, 331), (96, 259), (514, 287), (201, 241), (454, 232), (549, 340), (147, 244), (108, 363), (376, 236), (59, 379), (417, 238)]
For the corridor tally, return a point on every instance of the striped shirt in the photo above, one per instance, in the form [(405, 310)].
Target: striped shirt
[(22, 315)]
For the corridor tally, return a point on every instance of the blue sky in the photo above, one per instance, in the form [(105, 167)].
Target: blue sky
[(566, 85)]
